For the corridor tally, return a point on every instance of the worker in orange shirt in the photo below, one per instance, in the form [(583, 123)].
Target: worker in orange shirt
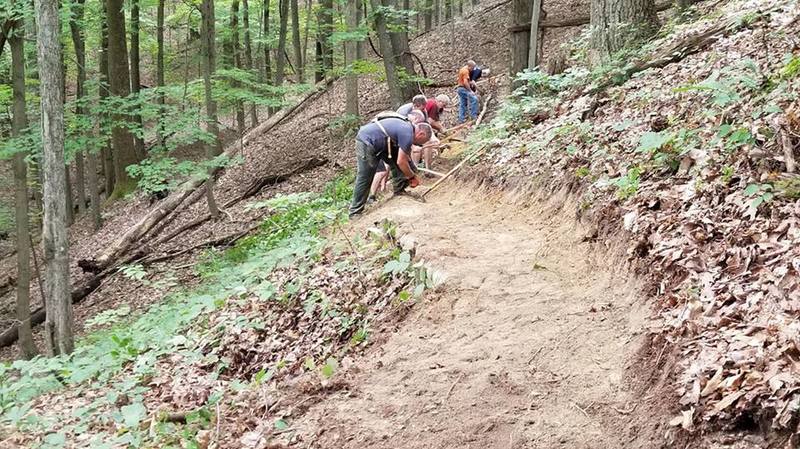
[(468, 99)]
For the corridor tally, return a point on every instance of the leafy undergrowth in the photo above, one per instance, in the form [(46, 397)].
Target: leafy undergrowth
[(690, 163), (210, 366)]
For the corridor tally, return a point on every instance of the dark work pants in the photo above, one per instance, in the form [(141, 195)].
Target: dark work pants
[(367, 163)]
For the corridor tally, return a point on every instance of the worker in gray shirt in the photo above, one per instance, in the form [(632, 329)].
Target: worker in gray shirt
[(386, 139)]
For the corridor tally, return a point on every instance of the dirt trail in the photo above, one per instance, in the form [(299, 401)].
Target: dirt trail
[(525, 346)]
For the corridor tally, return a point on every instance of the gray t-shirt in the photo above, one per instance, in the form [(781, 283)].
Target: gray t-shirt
[(400, 131)]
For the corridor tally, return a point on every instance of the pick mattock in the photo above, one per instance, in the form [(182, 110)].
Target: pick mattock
[(453, 170)]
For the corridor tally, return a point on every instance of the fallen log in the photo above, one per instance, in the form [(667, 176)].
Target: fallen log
[(166, 206), (676, 51), (250, 191), (226, 240), (11, 335)]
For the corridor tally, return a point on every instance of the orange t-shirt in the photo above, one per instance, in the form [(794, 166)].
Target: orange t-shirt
[(463, 77)]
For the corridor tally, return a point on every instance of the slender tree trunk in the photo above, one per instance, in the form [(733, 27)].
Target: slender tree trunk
[(160, 72), (395, 92), (70, 205), (207, 33), (402, 53), (125, 153), (19, 123), (237, 62), (447, 9), (428, 15), (306, 32), (106, 152), (281, 58), (436, 9), (521, 16), (136, 83), (326, 31), (248, 55), (616, 24), (351, 55), (58, 326), (533, 46), (79, 45), (267, 47), (298, 55), (360, 13)]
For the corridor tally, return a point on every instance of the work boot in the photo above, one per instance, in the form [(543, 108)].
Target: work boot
[(371, 199)]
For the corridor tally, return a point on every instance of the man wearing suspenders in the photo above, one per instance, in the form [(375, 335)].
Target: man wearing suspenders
[(386, 138)]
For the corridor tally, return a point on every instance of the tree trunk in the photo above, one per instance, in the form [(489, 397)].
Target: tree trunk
[(136, 83), (70, 206), (326, 31), (79, 44), (58, 331), (428, 14), (617, 24), (402, 54), (207, 33), (268, 75), (395, 92), (360, 13), (237, 62), (107, 153), (448, 10), (520, 37), (298, 55), (436, 9), (16, 41), (350, 54), (280, 64), (306, 32), (160, 72), (248, 56), (533, 47), (124, 150)]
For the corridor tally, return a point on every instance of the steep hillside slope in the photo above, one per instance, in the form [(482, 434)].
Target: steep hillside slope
[(691, 168)]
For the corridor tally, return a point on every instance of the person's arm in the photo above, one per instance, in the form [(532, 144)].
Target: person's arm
[(436, 125), (403, 165)]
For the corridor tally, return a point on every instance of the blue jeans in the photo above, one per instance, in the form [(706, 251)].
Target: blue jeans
[(466, 96), (367, 162)]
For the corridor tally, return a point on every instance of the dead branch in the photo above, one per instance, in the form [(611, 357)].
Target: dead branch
[(483, 112)]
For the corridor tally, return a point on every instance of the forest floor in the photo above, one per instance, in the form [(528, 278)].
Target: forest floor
[(527, 344)]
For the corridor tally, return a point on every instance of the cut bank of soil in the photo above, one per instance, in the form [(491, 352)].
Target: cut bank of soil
[(526, 345)]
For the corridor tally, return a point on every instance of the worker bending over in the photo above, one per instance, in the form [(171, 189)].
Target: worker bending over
[(387, 139), (426, 151), (418, 103), (434, 108), (468, 98)]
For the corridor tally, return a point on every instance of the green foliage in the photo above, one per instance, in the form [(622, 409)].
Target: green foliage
[(134, 344), (761, 193), (628, 185), (791, 67), (345, 125), (6, 219), (734, 138), (725, 87)]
